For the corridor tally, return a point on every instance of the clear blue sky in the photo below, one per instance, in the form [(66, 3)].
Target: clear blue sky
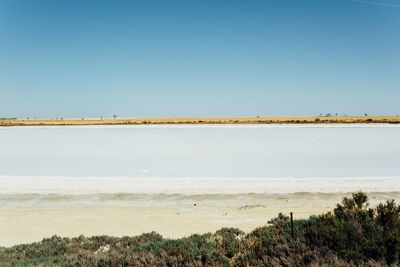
[(70, 58)]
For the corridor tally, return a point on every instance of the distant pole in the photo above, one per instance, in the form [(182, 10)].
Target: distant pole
[(291, 224)]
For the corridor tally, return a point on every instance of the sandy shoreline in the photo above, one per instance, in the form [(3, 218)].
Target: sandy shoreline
[(199, 120), (29, 218), (32, 208)]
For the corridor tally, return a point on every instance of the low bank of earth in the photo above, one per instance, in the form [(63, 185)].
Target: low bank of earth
[(199, 120)]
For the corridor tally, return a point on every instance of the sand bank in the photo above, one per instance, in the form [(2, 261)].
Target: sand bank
[(30, 217)]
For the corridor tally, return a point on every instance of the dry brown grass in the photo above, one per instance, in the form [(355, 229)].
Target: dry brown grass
[(200, 120)]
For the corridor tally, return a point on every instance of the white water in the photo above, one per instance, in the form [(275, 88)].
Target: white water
[(193, 186), (200, 159)]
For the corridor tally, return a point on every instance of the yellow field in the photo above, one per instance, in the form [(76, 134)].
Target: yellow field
[(199, 120)]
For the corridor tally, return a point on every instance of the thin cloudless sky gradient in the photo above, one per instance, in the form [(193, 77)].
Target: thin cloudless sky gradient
[(150, 58)]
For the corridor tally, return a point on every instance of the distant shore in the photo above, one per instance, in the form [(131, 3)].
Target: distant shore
[(199, 120)]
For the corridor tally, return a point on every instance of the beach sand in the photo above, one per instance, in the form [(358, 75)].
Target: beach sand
[(26, 218)]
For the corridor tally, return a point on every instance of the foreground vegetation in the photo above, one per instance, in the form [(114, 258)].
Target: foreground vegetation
[(352, 235)]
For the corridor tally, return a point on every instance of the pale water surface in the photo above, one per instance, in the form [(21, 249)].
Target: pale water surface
[(262, 151), (182, 179)]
